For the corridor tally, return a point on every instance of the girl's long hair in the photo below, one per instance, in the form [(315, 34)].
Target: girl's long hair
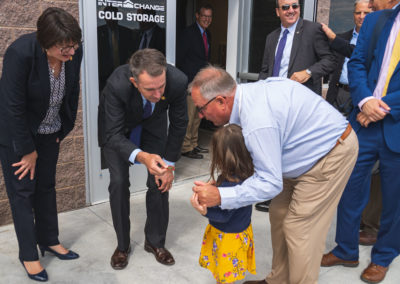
[(230, 159)]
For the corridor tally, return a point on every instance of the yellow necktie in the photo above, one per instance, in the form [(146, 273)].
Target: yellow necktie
[(394, 60)]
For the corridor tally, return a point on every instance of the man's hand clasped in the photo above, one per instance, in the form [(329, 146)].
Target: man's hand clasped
[(372, 111), (163, 174), (207, 193)]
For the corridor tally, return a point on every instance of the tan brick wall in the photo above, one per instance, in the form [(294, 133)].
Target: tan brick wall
[(18, 17), (323, 11)]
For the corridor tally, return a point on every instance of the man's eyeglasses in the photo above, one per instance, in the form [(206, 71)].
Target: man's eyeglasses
[(67, 49), (287, 6), (205, 16), (201, 109)]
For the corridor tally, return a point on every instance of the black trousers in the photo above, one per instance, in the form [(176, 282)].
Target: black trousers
[(33, 202), (157, 206)]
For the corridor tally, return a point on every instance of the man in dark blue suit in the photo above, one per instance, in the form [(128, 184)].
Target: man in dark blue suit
[(193, 52), (374, 77)]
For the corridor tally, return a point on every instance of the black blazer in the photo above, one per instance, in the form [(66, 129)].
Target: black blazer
[(341, 51), (25, 93), (121, 109), (126, 47), (310, 49), (190, 51)]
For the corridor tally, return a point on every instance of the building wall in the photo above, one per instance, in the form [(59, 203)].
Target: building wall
[(18, 17)]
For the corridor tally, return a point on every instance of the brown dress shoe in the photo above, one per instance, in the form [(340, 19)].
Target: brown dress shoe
[(256, 282), (374, 273), (162, 255), (119, 259), (367, 239), (330, 259)]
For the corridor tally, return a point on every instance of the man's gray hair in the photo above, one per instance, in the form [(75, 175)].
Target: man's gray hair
[(359, 1), (213, 81), (150, 60)]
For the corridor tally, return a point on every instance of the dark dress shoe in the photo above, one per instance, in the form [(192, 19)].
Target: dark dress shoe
[(199, 149), (192, 155), (263, 206), (330, 259), (162, 255), (67, 256), (367, 239), (374, 273), (119, 259), (256, 282), (41, 276)]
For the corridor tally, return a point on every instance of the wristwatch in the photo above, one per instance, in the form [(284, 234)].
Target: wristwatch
[(308, 71)]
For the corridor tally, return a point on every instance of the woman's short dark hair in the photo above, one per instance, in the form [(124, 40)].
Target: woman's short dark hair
[(56, 25), (150, 60)]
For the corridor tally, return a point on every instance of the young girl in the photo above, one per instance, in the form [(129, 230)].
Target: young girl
[(228, 248)]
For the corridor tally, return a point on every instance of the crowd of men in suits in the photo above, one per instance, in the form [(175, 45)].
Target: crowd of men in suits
[(365, 88)]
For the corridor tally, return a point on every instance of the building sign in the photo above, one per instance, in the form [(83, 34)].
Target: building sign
[(125, 26)]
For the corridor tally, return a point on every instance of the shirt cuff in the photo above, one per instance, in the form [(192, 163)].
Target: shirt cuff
[(133, 155), (169, 163), (360, 104), (228, 197)]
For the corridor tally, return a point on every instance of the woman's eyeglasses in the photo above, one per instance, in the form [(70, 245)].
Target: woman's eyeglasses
[(287, 6), (67, 49)]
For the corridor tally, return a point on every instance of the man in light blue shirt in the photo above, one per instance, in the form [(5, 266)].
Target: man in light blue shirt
[(303, 152)]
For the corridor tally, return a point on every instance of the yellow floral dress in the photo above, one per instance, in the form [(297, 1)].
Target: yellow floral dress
[(228, 255)]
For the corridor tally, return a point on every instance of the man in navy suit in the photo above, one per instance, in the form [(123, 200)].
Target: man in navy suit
[(193, 52), (374, 77)]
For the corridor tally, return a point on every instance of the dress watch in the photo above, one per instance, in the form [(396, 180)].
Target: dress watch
[(308, 71)]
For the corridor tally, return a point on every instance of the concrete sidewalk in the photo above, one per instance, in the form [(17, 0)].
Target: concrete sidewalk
[(89, 232)]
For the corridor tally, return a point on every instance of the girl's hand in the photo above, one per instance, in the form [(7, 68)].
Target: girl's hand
[(196, 205)]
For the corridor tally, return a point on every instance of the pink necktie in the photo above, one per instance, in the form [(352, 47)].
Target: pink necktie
[(205, 43)]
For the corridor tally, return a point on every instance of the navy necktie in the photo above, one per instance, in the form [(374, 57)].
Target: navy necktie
[(137, 131), (279, 53)]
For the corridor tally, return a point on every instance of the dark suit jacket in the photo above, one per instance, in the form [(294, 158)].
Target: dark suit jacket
[(25, 93), (121, 109), (341, 51), (126, 47), (363, 81), (190, 51), (310, 49), (157, 40)]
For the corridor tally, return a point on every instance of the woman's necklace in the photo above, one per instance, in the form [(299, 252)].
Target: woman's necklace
[(53, 67)]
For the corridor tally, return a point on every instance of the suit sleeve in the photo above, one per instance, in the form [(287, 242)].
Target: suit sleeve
[(265, 62), (393, 101), (357, 66), (326, 59), (342, 46), (14, 88), (178, 119), (114, 123)]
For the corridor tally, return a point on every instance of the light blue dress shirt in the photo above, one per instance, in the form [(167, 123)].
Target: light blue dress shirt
[(133, 155), (287, 128), (283, 72), (343, 76)]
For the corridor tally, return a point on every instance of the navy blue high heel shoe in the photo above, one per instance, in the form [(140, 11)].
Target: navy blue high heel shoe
[(69, 255), (41, 276)]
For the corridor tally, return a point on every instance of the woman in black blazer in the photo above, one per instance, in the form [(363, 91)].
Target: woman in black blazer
[(39, 91)]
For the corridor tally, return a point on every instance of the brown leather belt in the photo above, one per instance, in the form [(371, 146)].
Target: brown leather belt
[(344, 87), (344, 135)]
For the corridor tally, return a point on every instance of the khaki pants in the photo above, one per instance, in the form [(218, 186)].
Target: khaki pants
[(302, 213), (192, 130)]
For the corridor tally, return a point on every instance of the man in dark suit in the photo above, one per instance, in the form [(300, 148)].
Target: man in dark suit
[(299, 50), (115, 45), (338, 93), (150, 35), (193, 52), (374, 77), (133, 127)]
